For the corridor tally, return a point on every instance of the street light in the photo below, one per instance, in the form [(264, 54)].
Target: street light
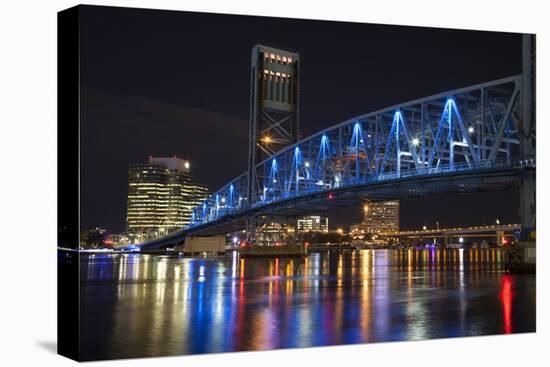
[(267, 139), (497, 221), (415, 142), (471, 129), (461, 239)]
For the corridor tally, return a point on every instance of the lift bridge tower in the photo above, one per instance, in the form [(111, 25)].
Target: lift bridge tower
[(274, 112)]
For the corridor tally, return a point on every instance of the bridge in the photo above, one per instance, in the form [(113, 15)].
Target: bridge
[(463, 140), (497, 230), (454, 231), (476, 138)]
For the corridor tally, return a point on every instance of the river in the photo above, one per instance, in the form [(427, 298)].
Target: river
[(136, 305)]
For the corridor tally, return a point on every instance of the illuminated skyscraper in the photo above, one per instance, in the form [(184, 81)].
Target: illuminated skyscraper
[(381, 217), (161, 197)]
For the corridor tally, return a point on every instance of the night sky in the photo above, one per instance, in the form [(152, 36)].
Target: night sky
[(174, 83)]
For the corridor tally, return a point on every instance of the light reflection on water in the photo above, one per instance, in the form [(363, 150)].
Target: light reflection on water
[(141, 305)]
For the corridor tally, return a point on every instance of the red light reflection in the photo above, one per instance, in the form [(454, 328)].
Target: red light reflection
[(506, 296)]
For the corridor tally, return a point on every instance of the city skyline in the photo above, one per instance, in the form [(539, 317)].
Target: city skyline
[(362, 183), (167, 111)]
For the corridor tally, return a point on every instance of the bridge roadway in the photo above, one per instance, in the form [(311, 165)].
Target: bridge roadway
[(454, 231), (466, 140)]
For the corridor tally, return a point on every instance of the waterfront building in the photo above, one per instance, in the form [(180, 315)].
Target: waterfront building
[(161, 197), (378, 217), (312, 223)]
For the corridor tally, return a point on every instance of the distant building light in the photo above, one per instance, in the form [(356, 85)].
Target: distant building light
[(187, 165)]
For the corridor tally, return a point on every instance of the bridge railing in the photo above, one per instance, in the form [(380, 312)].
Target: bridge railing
[(463, 130)]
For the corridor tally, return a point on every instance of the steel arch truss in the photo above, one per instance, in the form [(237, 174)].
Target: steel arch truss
[(465, 130)]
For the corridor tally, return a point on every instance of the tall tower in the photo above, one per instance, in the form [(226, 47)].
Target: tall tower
[(274, 108), (528, 137)]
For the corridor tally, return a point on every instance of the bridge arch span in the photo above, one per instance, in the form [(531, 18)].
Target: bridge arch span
[(454, 136)]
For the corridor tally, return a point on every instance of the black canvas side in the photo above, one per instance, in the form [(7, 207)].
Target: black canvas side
[(68, 166)]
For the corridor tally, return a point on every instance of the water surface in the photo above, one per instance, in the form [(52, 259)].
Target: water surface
[(136, 305)]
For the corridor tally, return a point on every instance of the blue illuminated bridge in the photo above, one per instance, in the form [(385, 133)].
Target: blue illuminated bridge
[(464, 140)]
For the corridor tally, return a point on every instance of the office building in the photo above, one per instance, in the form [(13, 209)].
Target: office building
[(161, 197), (312, 224), (379, 217)]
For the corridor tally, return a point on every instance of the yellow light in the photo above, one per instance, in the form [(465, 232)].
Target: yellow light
[(340, 230), (366, 208), (266, 139)]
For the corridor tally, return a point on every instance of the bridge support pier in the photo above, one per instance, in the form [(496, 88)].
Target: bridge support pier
[(522, 256), (271, 230), (251, 230), (500, 238)]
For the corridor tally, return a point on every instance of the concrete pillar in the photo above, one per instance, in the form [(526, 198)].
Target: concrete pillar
[(528, 207), (251, 230), (523, 255), (500, 238), (527, 135)]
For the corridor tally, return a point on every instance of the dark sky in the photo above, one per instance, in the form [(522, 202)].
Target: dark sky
[(176, 83)]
